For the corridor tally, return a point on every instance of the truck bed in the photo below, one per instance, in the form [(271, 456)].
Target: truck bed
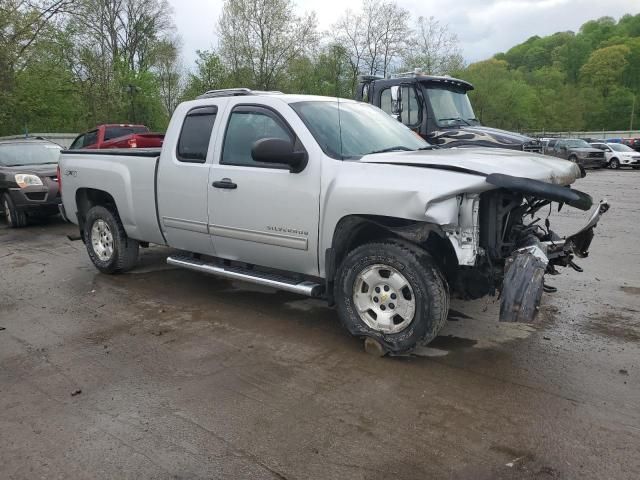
[(128, 175)]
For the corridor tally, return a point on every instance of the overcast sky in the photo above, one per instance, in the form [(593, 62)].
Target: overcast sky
[(484, 27)]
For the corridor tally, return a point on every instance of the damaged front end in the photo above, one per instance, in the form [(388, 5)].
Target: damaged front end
[(519, 250)]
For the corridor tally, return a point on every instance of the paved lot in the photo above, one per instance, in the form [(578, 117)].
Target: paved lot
[(187, 376)]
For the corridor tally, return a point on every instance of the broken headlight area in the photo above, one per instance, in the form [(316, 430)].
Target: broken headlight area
[(519, 248)]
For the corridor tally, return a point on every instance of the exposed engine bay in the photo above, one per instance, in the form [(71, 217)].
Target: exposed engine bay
[(515, 247)]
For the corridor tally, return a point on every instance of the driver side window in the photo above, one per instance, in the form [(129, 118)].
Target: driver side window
[(247, 125), (411, 113)]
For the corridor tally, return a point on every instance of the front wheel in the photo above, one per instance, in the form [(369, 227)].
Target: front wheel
[(109, 248), (392, 292), (15, 218), (614, 163), (573, 159)]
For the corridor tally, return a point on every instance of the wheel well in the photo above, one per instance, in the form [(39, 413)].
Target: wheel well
[(86, 198), (355, 230)]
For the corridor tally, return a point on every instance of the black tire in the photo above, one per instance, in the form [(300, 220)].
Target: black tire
[(124, 254), (573, 158), (614, 163), (14, 218), (429, 286)]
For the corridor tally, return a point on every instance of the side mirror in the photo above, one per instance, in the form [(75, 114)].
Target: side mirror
[(279, 151), (396, 102)]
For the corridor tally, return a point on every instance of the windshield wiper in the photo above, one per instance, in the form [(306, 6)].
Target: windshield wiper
[(392, 149), (459, 119)]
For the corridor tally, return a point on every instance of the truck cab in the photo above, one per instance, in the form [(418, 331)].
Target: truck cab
[(438, 109)]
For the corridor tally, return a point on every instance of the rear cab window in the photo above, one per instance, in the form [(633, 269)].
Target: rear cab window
[(193, 143), (121, 131)]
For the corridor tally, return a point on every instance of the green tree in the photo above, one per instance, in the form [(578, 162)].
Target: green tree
[(209, 74), (605, 66), (501, 97)]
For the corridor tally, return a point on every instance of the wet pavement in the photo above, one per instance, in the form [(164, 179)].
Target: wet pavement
[(165, 373)]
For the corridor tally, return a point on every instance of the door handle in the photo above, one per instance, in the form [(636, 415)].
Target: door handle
[(225, 183)]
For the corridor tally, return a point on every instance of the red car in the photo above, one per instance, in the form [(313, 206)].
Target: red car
[(118, 136), (633, 143)]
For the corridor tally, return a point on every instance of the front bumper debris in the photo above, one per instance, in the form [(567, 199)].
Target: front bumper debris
[(523, 281)]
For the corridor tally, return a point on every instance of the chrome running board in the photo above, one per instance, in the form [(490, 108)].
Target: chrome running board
[(279, 282)]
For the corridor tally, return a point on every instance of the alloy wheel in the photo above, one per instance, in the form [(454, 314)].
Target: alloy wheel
[(102, 240), (384, 298)]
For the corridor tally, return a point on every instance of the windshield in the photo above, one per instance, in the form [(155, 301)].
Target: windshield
[(350, 130), (577, 144), (18, 154), (618, 147), (451, 107)]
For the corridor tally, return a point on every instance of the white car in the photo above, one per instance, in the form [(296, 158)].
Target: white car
[(619, 155)]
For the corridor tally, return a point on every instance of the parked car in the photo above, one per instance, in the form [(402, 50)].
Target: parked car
[(118, 136), (28, 179), (619, 155), (544, 143), (577, 151), (438, 109), (335, 199), (633, 143)]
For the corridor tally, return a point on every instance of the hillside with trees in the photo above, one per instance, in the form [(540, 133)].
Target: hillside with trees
[(67, 65), (587, 80)]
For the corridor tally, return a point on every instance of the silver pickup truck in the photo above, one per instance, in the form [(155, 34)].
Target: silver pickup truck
[(331, 198)]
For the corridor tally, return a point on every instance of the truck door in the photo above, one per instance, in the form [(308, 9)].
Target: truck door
[(183, 177), (262, 213)]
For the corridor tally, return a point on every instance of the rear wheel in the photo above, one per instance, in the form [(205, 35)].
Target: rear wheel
[(614, 163), (109, 248), (15, 218), (392, 292)]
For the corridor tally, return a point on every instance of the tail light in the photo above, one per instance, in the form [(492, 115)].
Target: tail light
[(59, 179), (133, 143)]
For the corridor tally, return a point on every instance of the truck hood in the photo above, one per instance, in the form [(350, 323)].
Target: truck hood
[(586, 150), (46, 170), (480, 136), (484, 162)]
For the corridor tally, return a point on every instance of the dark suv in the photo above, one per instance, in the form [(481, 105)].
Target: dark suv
[(577, 151), (28, 179)]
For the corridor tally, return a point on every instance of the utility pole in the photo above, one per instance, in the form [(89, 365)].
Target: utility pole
[(633, 111)]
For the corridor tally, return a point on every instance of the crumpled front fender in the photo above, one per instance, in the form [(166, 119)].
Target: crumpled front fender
[(523, 281)]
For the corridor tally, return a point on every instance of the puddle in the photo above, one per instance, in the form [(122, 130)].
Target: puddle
[(631, 290), (615, 326)]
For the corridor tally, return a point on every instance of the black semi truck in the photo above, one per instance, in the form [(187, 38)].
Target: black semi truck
[(438, 109)]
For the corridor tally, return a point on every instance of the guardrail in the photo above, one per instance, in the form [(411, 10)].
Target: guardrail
[(599, 134), (63, 139)]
